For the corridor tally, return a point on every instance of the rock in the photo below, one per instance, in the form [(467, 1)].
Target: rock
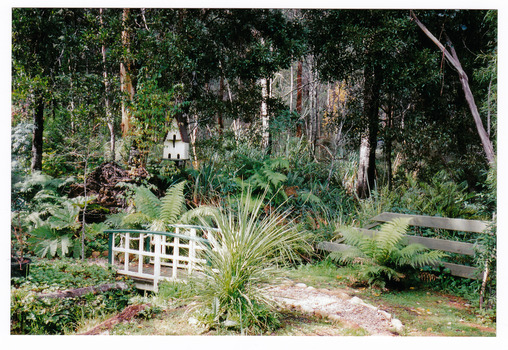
[(229, 323), (301, 285), (356, 300), (310, 288), (397, 325), (385, 314), (308, 309), (193, 320)]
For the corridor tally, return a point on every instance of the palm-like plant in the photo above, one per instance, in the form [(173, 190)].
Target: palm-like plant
[(153, 212), (241, 261), (385, 255)]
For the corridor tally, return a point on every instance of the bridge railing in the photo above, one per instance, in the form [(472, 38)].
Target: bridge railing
[(151, 256)]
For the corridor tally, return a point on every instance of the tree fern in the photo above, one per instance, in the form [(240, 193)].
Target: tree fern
[(387, 238), (172, 204), (383, 255), (153, 212), (147, 202)]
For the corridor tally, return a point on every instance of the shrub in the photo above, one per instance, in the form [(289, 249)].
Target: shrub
[(33, 315), (385, 257)]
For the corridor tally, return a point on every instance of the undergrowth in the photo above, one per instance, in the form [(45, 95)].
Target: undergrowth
[(31, 314)]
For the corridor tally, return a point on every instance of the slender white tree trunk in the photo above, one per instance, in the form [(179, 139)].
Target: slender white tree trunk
[(109, 115)]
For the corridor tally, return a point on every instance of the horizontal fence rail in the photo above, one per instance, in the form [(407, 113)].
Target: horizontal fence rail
[(151, 256), (462, 248)]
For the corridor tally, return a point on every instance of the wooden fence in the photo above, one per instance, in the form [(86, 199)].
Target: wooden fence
[(468, 249)]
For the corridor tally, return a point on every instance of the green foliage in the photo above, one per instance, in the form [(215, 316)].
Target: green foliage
[(48, 242), (265, 177), (486, 257), (241, 262), (384, 256), (153, 212), (441, 196), (33, 315), (211, 183), (57, 235)]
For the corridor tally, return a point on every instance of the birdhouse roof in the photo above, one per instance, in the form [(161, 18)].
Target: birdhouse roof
[(179, 130)]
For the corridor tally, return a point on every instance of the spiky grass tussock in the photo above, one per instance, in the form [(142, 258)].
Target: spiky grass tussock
[(242, 261)]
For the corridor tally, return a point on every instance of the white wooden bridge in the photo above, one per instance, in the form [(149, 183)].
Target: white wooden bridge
[(150, 256)]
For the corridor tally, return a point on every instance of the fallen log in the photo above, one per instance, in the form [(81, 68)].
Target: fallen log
[(72, 293), (128, 313)]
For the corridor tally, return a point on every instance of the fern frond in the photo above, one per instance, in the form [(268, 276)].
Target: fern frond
[(348, 256), (355, 238), (147, 203), (136, 220), (200, 213), (430, 258), (274, 177), (417, 255), (173, 203), (389, 235), (116, 220)]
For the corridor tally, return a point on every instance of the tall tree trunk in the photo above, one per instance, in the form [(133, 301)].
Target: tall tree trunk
[(388, 143), (299, 92), (109, 116), (291, 90), (37, 139), (452, 57), (264, 114), (367, 162), (126, 84), (313, 107), (222, 94)]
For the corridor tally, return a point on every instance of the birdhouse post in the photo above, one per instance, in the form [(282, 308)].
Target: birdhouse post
[(176, 144)]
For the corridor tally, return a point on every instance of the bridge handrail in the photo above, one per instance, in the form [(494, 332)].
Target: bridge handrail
[(161, 233)]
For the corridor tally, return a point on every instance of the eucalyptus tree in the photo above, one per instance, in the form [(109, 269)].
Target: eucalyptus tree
[(36, 60), (204, 64), (363, 45), (58, 70), (406, 97), (470, 49)]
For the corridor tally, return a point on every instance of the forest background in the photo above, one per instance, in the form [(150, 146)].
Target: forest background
[(425, 122)]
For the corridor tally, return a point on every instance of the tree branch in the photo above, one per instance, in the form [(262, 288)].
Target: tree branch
[(454, 60)]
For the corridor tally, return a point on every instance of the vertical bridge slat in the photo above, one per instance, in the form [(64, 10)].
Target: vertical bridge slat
[(192, 250), (127, 245), (176, 255), (140, 257), (157, 259)]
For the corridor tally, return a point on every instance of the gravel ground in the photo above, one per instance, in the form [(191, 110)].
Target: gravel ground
[(337, 306)]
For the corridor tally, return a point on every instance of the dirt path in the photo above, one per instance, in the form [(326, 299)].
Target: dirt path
[(337, 306)]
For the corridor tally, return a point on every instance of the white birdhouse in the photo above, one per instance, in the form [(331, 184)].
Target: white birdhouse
[(176, 144)]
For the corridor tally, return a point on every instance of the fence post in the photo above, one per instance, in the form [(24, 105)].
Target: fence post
[(110, 247)]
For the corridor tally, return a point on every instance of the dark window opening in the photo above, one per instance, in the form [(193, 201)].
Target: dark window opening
[(174, 140)]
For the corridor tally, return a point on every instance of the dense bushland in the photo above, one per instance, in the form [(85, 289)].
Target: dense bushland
[(327, 116)]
